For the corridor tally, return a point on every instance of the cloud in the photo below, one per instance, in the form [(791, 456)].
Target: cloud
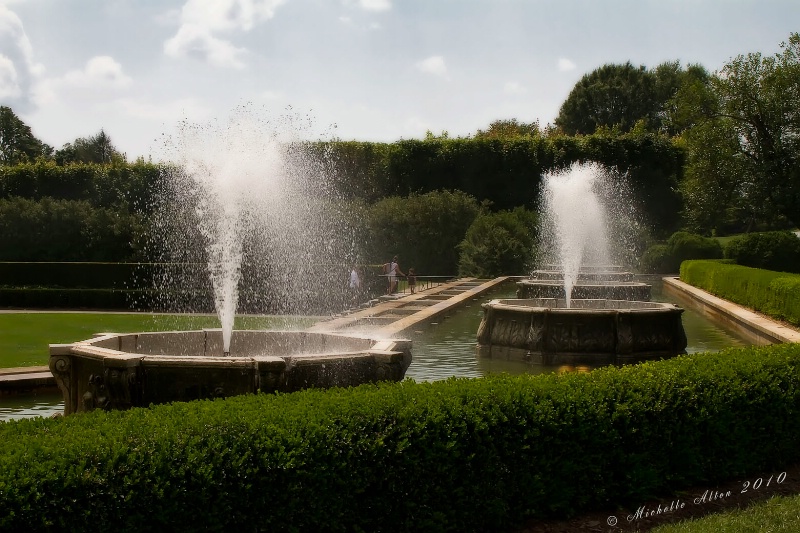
[(100, 71), (100, 76), (19, 74), (197, 42), (565, 65), (202, 20), (164, 111), (433, 65), (512, 87), (375, 5)]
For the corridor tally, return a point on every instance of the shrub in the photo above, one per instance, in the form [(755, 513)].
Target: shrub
[(667, 258), (456, 455), (772, 250), (773, 293), (498, 244), (657, 259), (423, 229)]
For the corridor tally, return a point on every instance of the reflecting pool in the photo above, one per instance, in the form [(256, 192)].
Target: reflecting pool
[(447, 348)]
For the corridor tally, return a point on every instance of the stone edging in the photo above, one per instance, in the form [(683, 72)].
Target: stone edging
[(758, 328)]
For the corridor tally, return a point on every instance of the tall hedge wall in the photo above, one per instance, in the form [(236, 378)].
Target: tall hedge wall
[(457, 455), (507, 171)]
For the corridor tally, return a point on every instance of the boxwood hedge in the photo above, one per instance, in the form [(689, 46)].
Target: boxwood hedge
[(456, 455), (776, 294)]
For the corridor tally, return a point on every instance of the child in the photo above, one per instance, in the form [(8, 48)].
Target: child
[(412, 280)]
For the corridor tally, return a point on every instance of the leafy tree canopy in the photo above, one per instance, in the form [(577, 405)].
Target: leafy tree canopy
[(617, 97), (500, 129), (17, 143), (751, 110), (95, 149)]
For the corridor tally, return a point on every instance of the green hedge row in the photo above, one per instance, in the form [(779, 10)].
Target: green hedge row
[(132, 185), (681, 246), (507, 171), (772, 250), (49, 298), (76, 275), (776, 294), (457, 455)]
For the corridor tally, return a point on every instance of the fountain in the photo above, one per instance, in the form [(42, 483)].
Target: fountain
[(577, 309), (245, 219)]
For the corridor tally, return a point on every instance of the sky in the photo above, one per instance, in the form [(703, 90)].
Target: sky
[(367, 70)]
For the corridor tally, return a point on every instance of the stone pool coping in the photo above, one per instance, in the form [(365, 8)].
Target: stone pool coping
[(758, 328)]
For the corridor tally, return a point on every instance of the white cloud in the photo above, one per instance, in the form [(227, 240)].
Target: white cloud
[(9, 84), (164, 111), (433, 65), (565, 65), (375, 5), (513, 87), (196, 41), (271, 95), (201, 20), (101, 76), (100, 71), (19, 74)]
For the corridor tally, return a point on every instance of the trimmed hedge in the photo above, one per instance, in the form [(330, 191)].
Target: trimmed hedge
[(776, 294), (77, 275), (771, 250), (681, 246), (457, 455)]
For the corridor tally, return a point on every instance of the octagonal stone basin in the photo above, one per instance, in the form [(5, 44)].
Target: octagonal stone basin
[(585, 290), (592, 332), (120, 371)]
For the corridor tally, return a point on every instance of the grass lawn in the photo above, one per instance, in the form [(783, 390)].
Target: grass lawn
[(24, 337), (780, 513)]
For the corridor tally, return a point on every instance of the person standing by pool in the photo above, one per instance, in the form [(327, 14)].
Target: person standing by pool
[(412, 280), (355, 283), (392, 271)]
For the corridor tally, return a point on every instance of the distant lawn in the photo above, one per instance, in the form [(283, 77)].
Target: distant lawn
[(778, 514), (24, 337), (725, 240)]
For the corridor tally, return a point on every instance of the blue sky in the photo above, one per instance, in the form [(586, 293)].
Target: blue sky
[(377, 70)]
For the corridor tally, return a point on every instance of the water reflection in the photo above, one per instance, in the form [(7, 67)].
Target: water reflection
[(448, 348), (31, 405)]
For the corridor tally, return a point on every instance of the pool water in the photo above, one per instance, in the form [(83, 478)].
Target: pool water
[(446, 348)]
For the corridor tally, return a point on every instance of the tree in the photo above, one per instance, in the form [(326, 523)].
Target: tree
[(612, 95), (497, 244), (502, 129), (95, 149), (17, 143), (620, 97), (751, 107)]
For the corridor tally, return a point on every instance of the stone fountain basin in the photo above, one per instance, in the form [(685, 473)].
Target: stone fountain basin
[(120, 371), (591, 331), (585, 290), (585, 274)]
